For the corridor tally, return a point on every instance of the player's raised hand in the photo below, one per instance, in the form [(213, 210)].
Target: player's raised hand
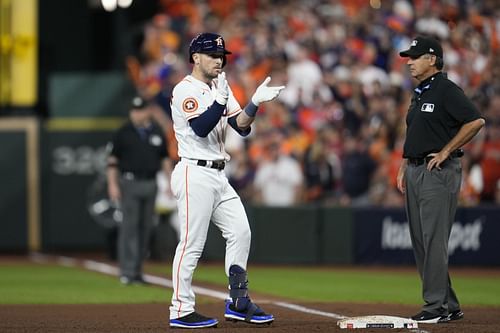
[(264, 93), (222, 89)]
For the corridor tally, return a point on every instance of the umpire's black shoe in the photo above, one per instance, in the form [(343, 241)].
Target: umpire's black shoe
[(130, 281), (140, 280), (454, 315), (126, 280), (425, 317), (193, 320)]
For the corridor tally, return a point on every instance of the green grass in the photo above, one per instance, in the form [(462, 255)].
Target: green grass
[(345, 285), (49, 284)]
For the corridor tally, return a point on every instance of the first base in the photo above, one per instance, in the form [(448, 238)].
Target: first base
[(378, 321)]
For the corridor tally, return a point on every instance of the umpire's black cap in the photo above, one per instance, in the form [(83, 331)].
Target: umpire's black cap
[(207, 43), (137, 103), (422, 45)]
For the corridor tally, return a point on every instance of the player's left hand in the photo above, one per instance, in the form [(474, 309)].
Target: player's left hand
[(264, 93)]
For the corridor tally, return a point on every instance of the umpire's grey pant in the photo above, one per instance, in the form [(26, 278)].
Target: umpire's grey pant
[(138, 203), (431, 203)]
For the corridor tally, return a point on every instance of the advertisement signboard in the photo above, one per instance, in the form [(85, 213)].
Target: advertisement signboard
[(381, 236)]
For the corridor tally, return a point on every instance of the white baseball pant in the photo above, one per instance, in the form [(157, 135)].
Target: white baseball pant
[(203, 195)]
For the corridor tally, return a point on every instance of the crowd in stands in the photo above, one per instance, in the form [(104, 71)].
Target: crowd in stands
[(335, 135)]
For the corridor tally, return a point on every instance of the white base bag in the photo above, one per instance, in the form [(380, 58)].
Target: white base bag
[(377, 321)]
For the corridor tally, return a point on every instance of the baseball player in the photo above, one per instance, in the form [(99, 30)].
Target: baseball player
[(440, 120), (203, 109)]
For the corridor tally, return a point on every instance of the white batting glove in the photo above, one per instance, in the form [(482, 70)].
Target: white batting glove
[(263, 93), (222, 89)]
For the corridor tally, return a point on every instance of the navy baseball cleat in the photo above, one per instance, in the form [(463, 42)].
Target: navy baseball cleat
[(240, 307), (193, 320), (253, 314)]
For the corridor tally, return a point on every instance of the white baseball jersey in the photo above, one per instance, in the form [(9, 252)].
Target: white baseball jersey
[(278, 181), (203, 194), (190, 98)]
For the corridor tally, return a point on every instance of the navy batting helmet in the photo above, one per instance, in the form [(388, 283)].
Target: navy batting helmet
[(208, 43)]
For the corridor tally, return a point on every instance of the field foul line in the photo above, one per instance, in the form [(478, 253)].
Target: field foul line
[(107, 269), (112, 270)]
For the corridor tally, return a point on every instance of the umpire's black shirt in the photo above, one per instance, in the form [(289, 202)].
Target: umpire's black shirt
[(139, 151), (437, 111)]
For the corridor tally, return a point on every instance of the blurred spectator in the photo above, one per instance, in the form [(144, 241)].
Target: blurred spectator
[(383, 191), (357, 171), (372, 78), (155, 69), (278, 179), (241, 174), (497, 193), (488, 152), (430, 24), (152, 68), (340, 63), (322, 171), (305, 78)]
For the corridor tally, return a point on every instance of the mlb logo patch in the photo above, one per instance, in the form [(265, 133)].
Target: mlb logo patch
[(427, 107)]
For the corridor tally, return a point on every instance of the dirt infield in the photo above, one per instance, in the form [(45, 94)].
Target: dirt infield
[(154, 318), (113, 318)]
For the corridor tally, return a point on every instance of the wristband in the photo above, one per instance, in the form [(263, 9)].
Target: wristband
[(251, 109)]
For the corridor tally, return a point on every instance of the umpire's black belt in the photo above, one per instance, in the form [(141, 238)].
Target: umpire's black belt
[(424, 160), (219, 165)]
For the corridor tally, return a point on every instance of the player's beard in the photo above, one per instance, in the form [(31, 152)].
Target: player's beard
[(210, 74)]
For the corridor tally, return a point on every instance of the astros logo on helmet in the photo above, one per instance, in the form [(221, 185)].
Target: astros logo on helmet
[(208, 43)]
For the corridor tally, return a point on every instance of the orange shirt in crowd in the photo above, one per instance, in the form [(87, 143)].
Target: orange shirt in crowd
[(490, 165)]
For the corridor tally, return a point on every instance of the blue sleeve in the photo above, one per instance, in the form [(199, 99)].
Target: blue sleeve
[(251, 111), (206, 122), (234, 124)]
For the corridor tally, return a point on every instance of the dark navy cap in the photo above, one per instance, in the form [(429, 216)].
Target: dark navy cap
[(422, 45)]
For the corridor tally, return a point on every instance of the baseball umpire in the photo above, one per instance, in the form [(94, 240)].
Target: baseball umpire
[(440, 120), (203, 106), (137, 152)]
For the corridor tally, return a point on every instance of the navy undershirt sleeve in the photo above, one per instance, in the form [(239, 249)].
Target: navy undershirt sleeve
[(251, 111), (234, 124), (206, 122)]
